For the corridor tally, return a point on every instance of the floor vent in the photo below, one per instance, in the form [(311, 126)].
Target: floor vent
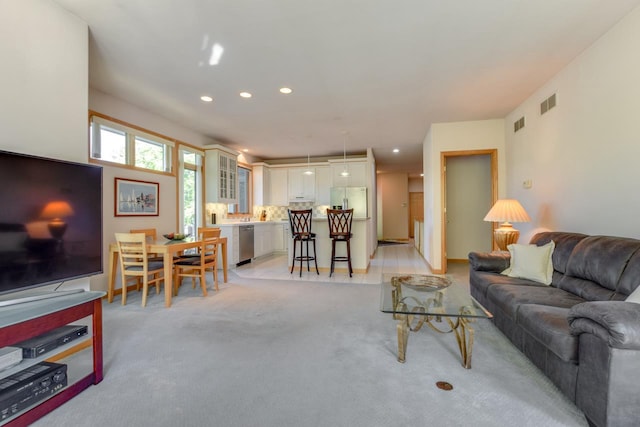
[(548, 104), (518, 124)]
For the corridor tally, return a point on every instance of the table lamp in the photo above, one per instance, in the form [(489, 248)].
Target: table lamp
[(506, 211)]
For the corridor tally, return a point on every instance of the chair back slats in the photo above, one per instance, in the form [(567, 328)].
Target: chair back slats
[(134, 263), (204, 232), (209, 252), (150, 233), (339, 222), (133, 251), (300, 222)]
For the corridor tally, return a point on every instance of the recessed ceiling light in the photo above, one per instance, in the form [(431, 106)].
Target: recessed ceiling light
[(286, 90), (245, 94), (395, 150), (206, 98), (246, 150)]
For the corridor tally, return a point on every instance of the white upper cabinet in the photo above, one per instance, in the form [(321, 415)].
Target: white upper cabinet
[(302, 185), (261, 185), (221, 175), (279, 196), (324, 183)]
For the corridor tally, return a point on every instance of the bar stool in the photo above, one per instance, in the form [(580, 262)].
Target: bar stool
[(300, 222), (340, 231)]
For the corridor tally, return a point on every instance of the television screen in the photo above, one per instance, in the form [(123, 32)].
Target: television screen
[(50, 221)]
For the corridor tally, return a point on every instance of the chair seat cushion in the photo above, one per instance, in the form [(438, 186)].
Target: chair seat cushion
[(341, 236), (191, 261), (152, 265), (304, 236)]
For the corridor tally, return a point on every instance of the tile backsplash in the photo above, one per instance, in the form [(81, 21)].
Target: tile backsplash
[(277, 213), (274, 213)]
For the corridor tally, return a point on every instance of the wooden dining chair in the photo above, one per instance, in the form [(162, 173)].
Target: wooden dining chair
[(135, 264), (196, 266), (151, 235)]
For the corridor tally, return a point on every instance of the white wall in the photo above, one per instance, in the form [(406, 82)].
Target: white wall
[(457, 136), (44, 84), (582, 156)]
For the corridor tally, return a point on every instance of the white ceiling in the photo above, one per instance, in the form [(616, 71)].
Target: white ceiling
[(379, 71)]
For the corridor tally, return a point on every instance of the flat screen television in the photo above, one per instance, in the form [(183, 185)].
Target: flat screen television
[(50, 221)]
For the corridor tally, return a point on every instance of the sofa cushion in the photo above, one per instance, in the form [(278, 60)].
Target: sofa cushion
[(630, 278), (597, 262), (482, 280), (510, 297), (565, 242), (549, 326), (531, 262)]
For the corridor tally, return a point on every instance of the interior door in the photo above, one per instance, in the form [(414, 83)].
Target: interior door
[(470, 188)]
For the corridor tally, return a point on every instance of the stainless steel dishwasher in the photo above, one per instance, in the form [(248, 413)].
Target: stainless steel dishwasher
[(245, 233)]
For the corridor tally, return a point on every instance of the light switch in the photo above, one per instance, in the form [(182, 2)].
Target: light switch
[(527, 183)]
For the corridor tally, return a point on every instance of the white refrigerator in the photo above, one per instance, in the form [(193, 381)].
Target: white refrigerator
[(350, 198)]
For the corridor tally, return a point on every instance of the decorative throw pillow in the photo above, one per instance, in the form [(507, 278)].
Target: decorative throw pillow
[(634, 296), (531, 262)]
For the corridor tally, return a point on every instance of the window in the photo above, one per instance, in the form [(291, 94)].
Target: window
[(190, 179), (244, 189), (117, 143)]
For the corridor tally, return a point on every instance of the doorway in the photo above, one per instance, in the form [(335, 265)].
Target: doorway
[(470, 181)]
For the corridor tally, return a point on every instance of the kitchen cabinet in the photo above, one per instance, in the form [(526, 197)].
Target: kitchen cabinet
[(302, 185), (278, 187), (279, 238), (357, 174), (261, 185), (232, 233), (221, 175), (31, 319), (324, 182), (262, 239)]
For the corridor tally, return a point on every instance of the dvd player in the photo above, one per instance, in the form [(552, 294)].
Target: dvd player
[(46, 342)]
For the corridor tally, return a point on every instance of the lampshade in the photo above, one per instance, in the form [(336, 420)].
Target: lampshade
[(57, 209), (507, 210)]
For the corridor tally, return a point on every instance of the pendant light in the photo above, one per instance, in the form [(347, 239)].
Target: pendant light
[(309, 171), (345, 172)]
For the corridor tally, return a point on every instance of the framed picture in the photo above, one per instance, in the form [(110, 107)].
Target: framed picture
[(136, 198)]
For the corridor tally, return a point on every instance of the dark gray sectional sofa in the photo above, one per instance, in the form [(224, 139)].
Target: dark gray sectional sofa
[(579, 330)]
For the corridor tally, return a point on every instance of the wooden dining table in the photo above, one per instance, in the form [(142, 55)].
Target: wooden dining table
[(168, 249)]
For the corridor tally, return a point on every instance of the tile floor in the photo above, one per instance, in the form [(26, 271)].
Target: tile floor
[(399, 258)]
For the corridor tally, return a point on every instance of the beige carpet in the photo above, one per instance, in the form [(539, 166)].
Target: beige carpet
[(285, 353)]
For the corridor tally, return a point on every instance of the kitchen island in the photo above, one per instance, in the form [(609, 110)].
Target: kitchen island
[(361, 247)]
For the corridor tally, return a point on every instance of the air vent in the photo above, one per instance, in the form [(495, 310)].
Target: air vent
[(518, 124), (548, 104)]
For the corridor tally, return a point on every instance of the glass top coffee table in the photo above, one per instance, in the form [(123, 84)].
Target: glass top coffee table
[(417, 299)]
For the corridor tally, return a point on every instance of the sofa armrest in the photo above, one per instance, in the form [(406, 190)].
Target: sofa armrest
[(495, 262), (615, 322)]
